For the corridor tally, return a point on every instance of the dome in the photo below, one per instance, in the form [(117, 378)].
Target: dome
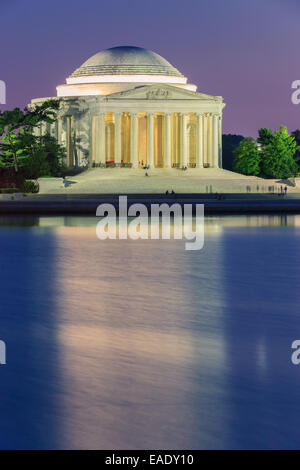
[(126, 60), (121, 68)]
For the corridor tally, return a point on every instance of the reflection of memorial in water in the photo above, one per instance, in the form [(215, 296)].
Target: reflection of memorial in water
[(134, 344), (138, 341)]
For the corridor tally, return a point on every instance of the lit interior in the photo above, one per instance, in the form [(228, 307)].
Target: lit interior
[(159, 132)]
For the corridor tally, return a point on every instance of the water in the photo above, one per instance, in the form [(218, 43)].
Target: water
[(143, 345)]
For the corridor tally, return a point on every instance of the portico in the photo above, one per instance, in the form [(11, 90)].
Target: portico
[(158, 139)]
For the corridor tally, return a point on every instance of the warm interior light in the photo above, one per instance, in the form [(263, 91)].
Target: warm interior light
[(126, 78)]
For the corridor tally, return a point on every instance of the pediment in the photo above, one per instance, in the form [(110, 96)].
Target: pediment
[(160, 92)]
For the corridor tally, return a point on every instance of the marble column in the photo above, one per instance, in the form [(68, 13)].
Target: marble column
[(199, 160), (42, 129), (220, 141), (150, 139), (95, 140), (78, 155), (63, 136), (215, 140), (118, 138), (184, 140), (59, 130), (168, 141), (211, 141), (134, 140), (205, 140), (56, 129), (102, 147), (69, 141)]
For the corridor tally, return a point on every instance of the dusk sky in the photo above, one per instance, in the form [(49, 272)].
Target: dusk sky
[(245, 50)]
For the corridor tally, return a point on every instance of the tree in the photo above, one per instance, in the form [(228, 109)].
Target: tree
[(16, 132), (296, 135), (229, 143), (264, 136), (46, 158), (278, 155), (247, 157), (14, 148)]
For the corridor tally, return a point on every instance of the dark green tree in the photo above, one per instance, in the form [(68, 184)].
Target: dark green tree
[(229, 143), (17, 132), (247, 157), (46, 158), (278, 155), (264, 136), (296, 135)]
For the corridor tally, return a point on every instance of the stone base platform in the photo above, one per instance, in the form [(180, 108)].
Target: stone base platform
[(158, 181)]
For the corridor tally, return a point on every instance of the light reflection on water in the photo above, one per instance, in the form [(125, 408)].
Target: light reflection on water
[(141, 344)]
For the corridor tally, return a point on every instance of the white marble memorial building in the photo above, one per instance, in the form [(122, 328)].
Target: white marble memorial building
[(128, 106)]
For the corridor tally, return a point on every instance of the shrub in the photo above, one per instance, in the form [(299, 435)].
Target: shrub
[(229, 143), (9, 178), (9, 190), (36, 165), (54, 155), (45, 158), (29, 186)]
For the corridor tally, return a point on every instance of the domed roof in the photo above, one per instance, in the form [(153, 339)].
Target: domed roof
[(126, 60)]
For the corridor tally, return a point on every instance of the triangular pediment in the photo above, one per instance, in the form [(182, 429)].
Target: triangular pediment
[(160, 92)]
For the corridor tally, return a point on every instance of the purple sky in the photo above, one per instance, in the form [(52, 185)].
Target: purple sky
[(245, 50)]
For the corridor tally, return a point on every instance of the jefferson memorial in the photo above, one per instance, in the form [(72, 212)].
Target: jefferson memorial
[(129, 107)]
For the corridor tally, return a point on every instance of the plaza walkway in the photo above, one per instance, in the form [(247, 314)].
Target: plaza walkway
[(158, 181)]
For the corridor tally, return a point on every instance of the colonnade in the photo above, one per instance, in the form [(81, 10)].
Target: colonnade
[(157, 139)]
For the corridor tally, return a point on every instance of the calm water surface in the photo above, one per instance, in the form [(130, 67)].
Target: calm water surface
[(141, 344)]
